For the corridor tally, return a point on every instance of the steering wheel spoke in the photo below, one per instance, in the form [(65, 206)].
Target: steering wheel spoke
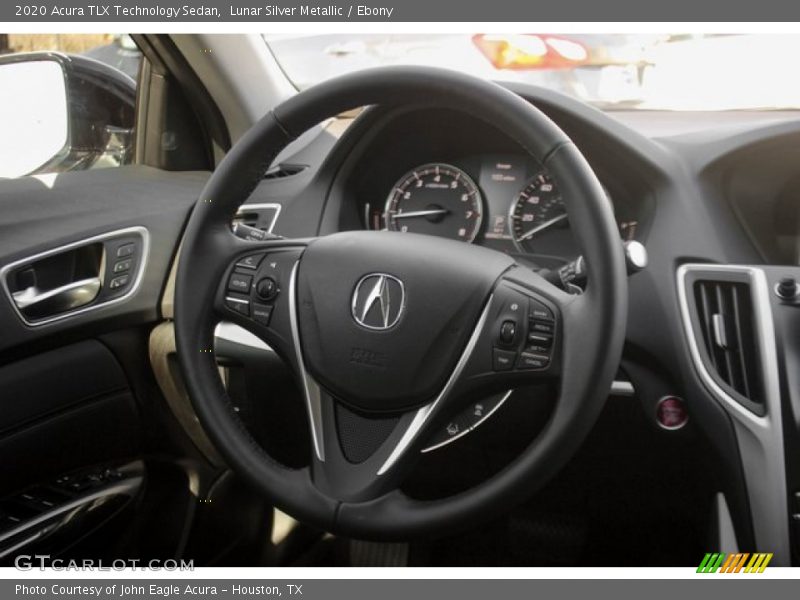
[(356, 449)]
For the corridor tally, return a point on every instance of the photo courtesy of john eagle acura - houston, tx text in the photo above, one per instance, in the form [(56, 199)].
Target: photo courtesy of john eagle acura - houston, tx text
[(327, 299)]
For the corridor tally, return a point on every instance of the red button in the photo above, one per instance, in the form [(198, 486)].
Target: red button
[(671, 413)]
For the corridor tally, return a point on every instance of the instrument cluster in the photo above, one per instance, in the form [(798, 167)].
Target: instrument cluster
[(507, 202)]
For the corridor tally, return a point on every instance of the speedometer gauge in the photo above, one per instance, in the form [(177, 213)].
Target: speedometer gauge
[(537, 207), (435, 199)]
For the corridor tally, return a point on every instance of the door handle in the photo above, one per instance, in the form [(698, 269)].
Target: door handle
[(60, 299)]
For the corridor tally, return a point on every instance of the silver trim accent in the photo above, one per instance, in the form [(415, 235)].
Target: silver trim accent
[(423, 413), (635, 255), (311, 390), (760, 439), (141, 231), (541, 227), (473, 427), (125, 486), (421, 213), (278, 207), (622, 388), (718, 327), (726, 542), (22, 543), (231, 332), (83, 291)]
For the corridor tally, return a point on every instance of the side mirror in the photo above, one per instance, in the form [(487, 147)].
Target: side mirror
[(63, 112)]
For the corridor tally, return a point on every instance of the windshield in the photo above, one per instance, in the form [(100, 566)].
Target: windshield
[(610, 71)]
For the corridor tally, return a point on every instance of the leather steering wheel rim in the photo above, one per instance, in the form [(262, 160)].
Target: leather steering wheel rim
[(592, 337)]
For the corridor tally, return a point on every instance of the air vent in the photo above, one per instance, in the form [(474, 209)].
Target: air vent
[(260, 216), (281, 171), (727, 328)]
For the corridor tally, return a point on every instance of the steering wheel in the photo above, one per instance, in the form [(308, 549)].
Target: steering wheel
[(390, 334)]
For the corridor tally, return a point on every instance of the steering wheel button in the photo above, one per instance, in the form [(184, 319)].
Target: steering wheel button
[(541, 327), (250, 262), (237, 304), (540, 311), (540, 340), (267, 288), (533, 348), (240, 283), (508, 331), (532, 361), (262, 313), (503, 360)]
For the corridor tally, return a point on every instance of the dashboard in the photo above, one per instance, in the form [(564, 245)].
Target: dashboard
[(443, 173)]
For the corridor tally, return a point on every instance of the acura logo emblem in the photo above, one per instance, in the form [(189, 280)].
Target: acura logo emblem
[(378, 301)]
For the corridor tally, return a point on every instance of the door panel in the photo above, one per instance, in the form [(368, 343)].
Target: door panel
[(38, 217), (61, 410)]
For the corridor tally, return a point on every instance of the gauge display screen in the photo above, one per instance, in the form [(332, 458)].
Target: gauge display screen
[(435, 199), (537, 207), (512, 205)]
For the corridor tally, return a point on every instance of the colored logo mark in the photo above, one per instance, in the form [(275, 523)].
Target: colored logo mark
[(734, 563)]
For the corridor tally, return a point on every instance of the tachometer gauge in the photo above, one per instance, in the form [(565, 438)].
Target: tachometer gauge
[(537, 207), (435, 199)]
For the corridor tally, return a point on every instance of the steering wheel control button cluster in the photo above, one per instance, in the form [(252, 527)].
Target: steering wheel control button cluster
[(539, 341), (240, 283), (526, 329), (503, 360), (465, 421), (253, 287), (267, 289), (250, 262)]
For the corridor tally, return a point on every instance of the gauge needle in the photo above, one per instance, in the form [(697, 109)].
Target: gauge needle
[(420, 213), (541, 226)]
